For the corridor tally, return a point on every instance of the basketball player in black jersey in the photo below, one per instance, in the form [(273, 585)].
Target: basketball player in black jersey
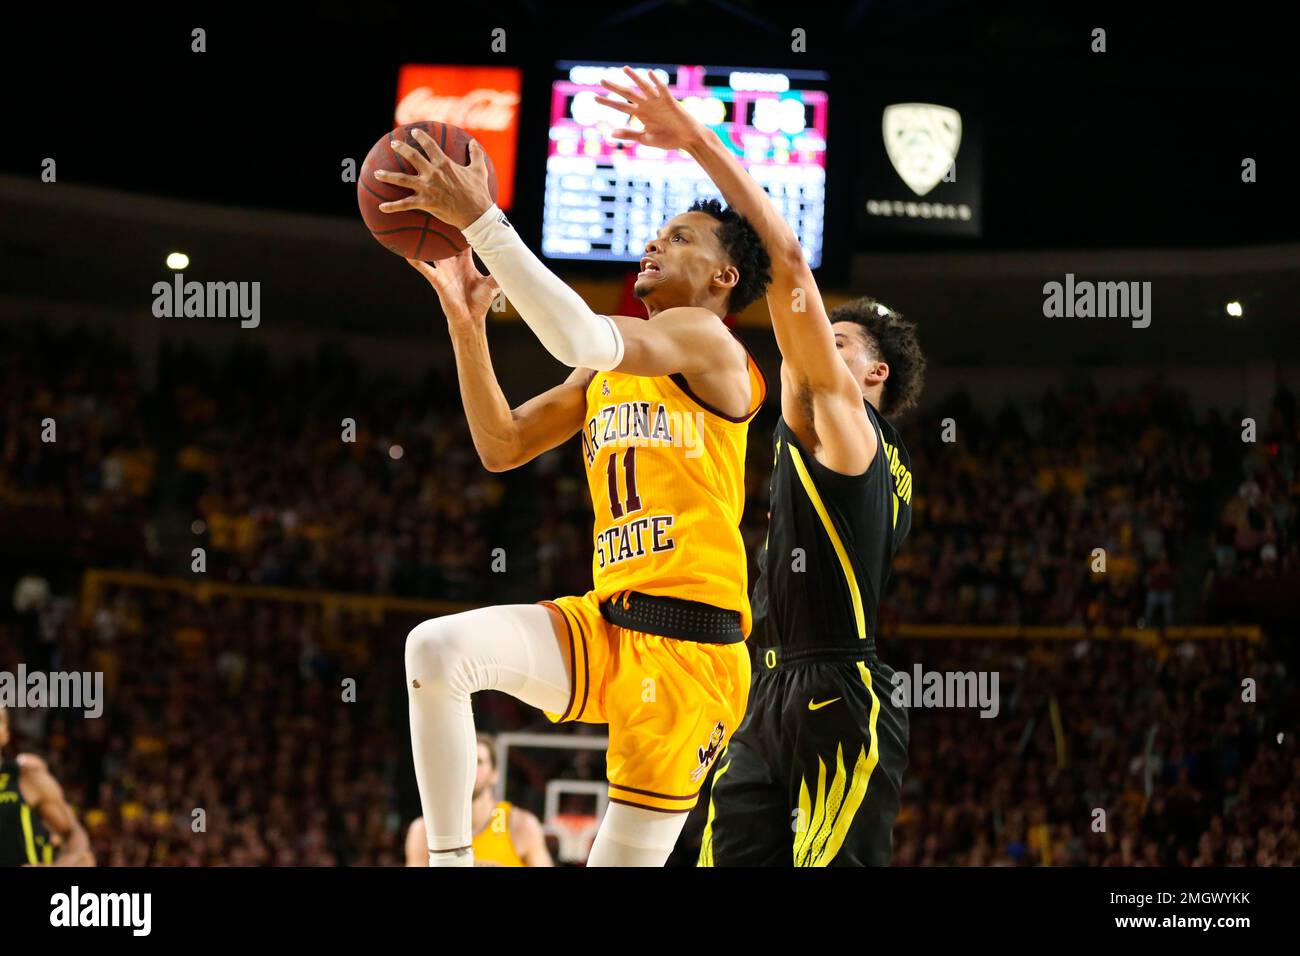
[(35, 819), (813, 775)]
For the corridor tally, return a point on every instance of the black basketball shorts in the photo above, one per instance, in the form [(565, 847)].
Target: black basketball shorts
[(814, 775)]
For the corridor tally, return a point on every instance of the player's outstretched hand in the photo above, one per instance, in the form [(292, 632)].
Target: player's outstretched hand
[(666, 123), (465, 293), (444, 189)]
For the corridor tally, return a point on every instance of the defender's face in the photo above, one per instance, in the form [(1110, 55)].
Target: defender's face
[(682, 261), (851, 341), (4, 728)]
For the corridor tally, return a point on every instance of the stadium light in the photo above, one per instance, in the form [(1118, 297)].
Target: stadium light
[(177, 261), (1234, 309)]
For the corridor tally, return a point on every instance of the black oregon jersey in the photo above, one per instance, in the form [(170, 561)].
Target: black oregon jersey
[(23, 837), (831, 539)]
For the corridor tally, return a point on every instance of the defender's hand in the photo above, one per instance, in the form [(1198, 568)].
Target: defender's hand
[(454, 193), (465, 294), (667, 124)]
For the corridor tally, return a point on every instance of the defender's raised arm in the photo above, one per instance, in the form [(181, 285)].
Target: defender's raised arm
[(818, 386)]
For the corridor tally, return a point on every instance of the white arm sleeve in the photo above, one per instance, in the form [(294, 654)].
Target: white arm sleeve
[(562, 322)]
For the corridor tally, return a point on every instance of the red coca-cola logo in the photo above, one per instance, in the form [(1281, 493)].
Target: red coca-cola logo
[(480, 109), (485, 100)]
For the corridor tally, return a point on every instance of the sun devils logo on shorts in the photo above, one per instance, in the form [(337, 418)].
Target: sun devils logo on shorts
[(710, 750), (922, 142)]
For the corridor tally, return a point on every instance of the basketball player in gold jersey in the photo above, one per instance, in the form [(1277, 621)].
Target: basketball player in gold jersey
[(656, 648), (35, 818), (504, 835)]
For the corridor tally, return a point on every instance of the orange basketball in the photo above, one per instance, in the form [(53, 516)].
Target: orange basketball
[(413, 233)]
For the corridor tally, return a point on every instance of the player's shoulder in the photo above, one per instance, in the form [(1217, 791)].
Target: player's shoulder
[(524, 822), (581, 377), (522, 817), (887, 428), (30, 763), (694, 316), (708, 329)]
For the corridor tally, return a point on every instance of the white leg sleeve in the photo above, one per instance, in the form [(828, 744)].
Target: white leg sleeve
[(562, 322), (631, 836), (510, 648)]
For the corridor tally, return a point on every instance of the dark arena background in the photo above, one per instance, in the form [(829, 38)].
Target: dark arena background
[(233, 521)]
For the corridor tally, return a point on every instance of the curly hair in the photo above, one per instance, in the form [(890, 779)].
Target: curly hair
[(893, 339), (745, 250)]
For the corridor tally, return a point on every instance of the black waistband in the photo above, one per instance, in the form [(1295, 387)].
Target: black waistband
[(673, 617), (770, 658)]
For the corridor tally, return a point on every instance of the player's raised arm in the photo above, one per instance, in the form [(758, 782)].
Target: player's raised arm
[(505, 438), (812, 364), (458, 195), (557, 315)]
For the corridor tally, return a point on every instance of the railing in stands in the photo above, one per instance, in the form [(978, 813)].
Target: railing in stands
[(96, 579)]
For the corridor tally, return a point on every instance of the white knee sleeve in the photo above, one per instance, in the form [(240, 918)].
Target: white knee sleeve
[(511, 649), (631, 836)]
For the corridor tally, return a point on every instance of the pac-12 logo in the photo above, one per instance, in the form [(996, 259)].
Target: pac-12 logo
[(708, 751), (922, 142)]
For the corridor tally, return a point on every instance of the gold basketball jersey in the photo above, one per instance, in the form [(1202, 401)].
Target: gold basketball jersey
[(492, 844), (667, 478)]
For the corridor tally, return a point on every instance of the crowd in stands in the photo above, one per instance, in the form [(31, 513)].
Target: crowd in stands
[(234, 732), (227, 737), (230, 736), (79, 458), (358, 483), (1105, 754), (354, 485), (1254, 567)]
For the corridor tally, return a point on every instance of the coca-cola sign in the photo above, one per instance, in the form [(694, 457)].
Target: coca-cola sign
[(480, 109), (483, 100)]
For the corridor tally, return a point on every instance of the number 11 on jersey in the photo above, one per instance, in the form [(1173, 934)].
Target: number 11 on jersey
[(633, 503)]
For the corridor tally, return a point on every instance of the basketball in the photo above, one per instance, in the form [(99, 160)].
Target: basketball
[(413, 233)]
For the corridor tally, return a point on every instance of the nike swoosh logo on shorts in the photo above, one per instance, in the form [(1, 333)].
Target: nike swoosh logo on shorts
[(813, 705)]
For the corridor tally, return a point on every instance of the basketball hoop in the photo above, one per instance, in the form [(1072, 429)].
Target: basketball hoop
[(575, 831)]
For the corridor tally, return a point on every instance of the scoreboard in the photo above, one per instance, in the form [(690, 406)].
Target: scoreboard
[(606, 198)]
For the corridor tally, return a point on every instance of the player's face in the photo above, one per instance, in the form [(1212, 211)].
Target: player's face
[(486, 775), (4, 728), (852, 345), (682, 263)]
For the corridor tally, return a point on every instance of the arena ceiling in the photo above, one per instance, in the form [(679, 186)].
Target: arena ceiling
[(1139, 146)]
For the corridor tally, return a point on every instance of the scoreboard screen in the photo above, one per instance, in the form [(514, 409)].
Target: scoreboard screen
[(606, 198)]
